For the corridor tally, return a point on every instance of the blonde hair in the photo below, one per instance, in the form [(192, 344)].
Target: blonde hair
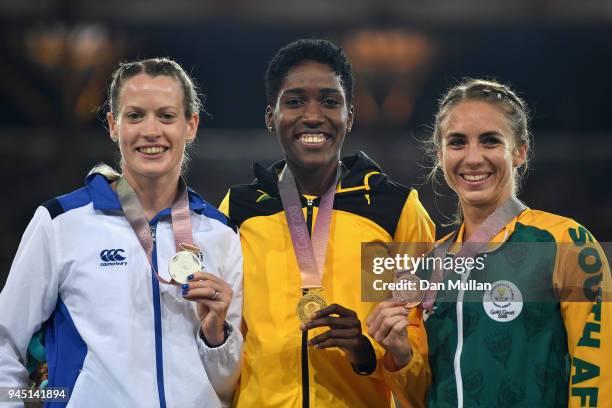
[(514, 108), (107, 171)]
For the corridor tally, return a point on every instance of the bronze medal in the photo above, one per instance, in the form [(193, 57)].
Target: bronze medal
[(308, 305), (412, 296)]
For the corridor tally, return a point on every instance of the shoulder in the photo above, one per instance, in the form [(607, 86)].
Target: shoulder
[(245, 201), (68, 202), (559, 228), (367, 191), (365, 172)]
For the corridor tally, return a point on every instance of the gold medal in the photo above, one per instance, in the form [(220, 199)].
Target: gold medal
[(183, 264), (308, 305), (411, 294)]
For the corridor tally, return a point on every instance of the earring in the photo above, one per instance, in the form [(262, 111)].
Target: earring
[(348, 130), (270, 128)]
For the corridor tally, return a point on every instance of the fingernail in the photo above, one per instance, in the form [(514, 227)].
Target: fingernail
[(185, 292), (190, 277), (302, 327), (185, 286)]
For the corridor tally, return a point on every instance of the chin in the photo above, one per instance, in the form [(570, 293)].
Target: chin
[(315, 160), (154, 172), (478, 200)]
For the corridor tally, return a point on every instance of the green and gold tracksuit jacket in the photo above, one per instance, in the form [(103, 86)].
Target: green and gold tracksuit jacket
[(280, 370), (553, 349)]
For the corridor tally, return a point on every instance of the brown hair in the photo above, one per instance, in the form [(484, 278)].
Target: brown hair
[(155, 67)]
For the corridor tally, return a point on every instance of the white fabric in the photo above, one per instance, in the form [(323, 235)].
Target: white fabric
[(112, 309)]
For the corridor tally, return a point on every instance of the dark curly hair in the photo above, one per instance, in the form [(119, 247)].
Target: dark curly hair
[(295, 53)]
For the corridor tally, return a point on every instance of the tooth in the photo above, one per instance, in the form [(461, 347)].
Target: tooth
[(312, 138), (152, 150), (478, 177)]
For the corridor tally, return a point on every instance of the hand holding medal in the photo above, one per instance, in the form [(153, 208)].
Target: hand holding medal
[(345, 333), (213, 296), (388, 324)]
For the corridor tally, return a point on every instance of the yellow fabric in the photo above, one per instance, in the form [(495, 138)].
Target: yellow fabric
[(271, 376), (587, 324), (416, 375)]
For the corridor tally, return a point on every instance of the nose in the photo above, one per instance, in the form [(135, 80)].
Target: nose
[(150, 127), (312, 115), (474, 155)]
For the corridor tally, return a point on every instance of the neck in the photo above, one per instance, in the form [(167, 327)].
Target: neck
[(474, 216), (472, 219), (314, 182), (154, 194)]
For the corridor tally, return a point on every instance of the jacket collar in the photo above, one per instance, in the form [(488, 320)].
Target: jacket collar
[(105, 198), (359, 169)]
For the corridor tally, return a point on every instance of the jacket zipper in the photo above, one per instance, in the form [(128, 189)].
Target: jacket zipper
[(159, 362), (459, 350), (305, 374)]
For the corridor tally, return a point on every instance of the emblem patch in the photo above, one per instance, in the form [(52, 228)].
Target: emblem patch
[(504, 302), (111, 257)]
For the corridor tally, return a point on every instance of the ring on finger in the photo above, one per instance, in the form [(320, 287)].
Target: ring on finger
[(215, 295)]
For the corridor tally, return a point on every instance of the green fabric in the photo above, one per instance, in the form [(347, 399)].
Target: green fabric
[(523, 362)]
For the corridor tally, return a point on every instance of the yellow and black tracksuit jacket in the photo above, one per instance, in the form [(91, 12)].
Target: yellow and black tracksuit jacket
[(280, 370), (555, 351)]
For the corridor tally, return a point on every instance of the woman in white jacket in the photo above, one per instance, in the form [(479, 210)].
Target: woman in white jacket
[(134, 279)]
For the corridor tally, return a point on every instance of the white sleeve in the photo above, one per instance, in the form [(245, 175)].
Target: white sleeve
[(28, 298), (223, 363)]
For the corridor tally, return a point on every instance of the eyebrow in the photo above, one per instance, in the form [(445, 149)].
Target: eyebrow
[(485, 134), (322, 91), (158, 109)]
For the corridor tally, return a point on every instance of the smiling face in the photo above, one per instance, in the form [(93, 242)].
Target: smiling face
[(151, 128), (479, 154), (311, 116)]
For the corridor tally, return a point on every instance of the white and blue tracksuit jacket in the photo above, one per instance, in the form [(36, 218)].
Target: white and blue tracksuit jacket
[(114, 335)]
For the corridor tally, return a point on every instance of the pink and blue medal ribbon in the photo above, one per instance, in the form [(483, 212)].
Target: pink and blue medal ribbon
[(181, 221)]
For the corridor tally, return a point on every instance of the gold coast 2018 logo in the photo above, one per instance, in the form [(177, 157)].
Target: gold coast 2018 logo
[(503, 302)]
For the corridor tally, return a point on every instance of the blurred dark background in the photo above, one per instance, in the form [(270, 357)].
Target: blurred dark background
[(56, 58)]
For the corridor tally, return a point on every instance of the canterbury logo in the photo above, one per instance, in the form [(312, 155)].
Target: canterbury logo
[(113, 257)]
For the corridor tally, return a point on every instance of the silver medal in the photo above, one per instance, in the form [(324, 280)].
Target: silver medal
[(183, 264)]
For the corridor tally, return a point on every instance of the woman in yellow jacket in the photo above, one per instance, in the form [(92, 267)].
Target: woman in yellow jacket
[(539, 335), (327, 361)]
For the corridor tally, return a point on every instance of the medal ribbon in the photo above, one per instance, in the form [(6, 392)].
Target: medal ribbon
[(181, 221), (310, 253), (477, 242)]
